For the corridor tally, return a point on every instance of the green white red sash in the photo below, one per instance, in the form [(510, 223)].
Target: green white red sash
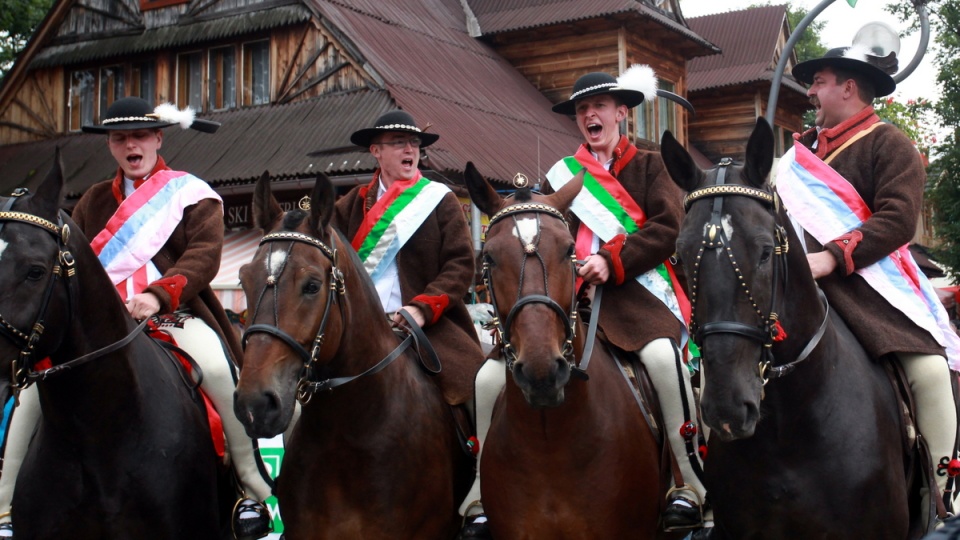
[(393, 220), (827, 206), (607, 209)]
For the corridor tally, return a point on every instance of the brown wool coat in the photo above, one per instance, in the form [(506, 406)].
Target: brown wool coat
[(437, 260), (193, 251), (630, 316), (888, 173)]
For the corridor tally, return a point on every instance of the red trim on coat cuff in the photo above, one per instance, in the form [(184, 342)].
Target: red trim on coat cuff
[(173, 286), (848, 242), (614, 247), (436, 304)]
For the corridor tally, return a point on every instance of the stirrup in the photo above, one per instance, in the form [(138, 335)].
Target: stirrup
[(697, 506), (250, 528)]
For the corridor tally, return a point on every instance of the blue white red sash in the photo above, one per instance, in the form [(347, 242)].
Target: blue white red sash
[(607, 209), (144, 222), (827, 206)]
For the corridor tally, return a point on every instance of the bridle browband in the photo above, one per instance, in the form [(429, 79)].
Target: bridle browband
[(502, 329), (308, 384), (769, 329)]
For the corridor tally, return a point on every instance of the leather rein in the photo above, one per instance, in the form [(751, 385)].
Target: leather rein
[(508, 351), (309, 383), (768, 330)]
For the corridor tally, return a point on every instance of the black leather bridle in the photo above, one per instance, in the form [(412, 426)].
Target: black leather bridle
[(529, 250), (768, 330), (64, 266), (309, 383)]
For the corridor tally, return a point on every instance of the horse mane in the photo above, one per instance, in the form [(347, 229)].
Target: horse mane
[(293, 219), (523, 195)]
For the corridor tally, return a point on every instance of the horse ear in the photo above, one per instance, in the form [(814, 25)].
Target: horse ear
[(321, 204), (759, 158), (562, 199), (481, 192), (49, 192), (679, 163), (266, 209)]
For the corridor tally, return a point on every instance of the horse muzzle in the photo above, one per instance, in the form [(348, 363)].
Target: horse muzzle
[(542, 383)]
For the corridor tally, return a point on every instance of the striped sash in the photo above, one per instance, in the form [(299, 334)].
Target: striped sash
[(607, 209), (393, 220), (827, 206), (144, 222)]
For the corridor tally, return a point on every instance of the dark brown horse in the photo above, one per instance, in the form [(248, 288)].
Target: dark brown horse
[(123, 449), (806, 432), (375, 453), (565, 457)]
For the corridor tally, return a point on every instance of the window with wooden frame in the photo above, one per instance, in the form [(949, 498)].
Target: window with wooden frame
[(190, 80), (653, 117), (784, 141), (222, 78), (256, 73), (111, 87), (143, 81), (82, 98)]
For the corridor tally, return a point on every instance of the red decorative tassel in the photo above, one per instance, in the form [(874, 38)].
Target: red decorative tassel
[(688, 430), (474, 445), (953, 468), (703, 452), (779, 334)]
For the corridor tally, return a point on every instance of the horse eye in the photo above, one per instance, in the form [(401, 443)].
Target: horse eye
[(765, 256), (311, 287), (36, 273), (570, 250), (488, 260)]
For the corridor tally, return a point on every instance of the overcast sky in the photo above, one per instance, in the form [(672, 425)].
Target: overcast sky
[(842, 23)]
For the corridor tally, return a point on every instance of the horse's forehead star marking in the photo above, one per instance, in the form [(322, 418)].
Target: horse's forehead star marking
[(526, 230), (275, 262), (3, 247), (727, 223)]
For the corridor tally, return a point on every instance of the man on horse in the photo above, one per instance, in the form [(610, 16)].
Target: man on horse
[(642, 312), (867, 180), (159, 234), (412, 237)]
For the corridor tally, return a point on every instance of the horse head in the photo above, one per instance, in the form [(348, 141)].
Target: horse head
[(732, 244), (36, 276), (529, 268)]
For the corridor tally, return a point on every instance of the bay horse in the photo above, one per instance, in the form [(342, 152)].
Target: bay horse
[(123, 449), (806, 432), (375, 452), (569, 453)]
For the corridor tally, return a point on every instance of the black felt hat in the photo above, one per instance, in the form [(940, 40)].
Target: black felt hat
[(876, 69), (597, 83), (396, 120), (135, 113)]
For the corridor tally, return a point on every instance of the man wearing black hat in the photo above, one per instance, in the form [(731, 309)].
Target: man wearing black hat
[(867, 179), (181, 246), (412, 238)]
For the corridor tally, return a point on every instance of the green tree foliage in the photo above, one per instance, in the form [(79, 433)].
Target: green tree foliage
[(943, 188), (809, 46), (18, 20)]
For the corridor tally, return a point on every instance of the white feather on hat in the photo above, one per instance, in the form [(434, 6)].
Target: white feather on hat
[(168, 112), (639, 78), (858, 51)]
